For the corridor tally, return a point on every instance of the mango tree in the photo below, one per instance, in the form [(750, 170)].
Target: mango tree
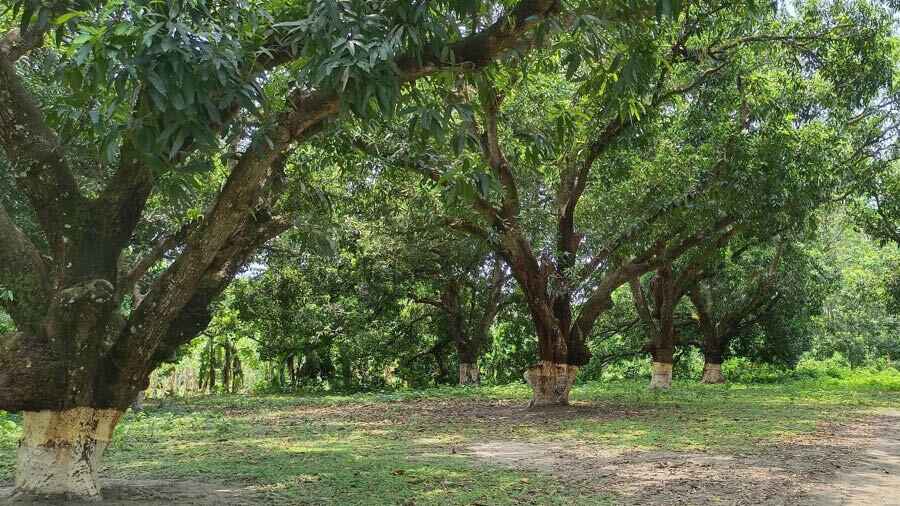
[(620, 149), (102, 104)]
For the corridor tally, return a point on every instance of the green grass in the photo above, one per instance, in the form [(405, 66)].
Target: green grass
[(400, 447)]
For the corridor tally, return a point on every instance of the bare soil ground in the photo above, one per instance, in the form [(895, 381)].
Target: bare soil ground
[(874, 477), (851, 464)]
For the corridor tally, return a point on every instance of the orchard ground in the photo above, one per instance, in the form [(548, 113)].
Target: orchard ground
[(821, 441)]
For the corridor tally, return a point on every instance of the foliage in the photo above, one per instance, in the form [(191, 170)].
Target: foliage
[(858, 320)]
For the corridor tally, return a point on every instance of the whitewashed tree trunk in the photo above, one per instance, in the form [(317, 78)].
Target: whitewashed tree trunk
[(662, 376), (550, 383), (60, 452), (712, 374), (469, 374)]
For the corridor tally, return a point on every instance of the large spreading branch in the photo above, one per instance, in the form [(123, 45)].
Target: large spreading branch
[(655, 256), (35, 153), (23, 272), (307, 110), (493, 154)]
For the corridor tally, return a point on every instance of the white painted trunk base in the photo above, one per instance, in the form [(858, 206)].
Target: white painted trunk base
[(662, 376), (60, 451), (469, 374), (550, 383), (712, 374)]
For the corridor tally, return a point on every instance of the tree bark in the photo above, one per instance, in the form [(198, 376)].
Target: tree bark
[(551, 383), (60, 451), (661, 378), (712, 337), (469, 374), (660, 323), (712, 373)]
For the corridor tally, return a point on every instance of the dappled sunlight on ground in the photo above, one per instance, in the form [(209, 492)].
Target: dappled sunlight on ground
[(617, 442)]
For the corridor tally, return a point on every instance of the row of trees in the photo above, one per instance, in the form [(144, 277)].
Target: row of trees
[(152, 151), (351, 320)]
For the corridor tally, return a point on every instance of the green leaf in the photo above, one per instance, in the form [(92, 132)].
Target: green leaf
[(68, 17), (148, 35), (157, 82), (178, 143)]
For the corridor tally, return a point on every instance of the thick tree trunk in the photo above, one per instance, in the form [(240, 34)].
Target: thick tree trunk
[(60, 452), (661, 378), (469, 374), (712, 374), (713, 340), (550, 383), (665, 295), (663, 356)]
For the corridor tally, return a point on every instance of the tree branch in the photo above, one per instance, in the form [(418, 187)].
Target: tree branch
[(493, 154), (165, 244), (24, 273), (36, 155)]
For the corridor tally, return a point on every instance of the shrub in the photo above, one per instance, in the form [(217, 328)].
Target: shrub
[(835, 367), (742, 370)]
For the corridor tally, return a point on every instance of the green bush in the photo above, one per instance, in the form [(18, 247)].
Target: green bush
[(886, 380), (742, 370), (835, 367)]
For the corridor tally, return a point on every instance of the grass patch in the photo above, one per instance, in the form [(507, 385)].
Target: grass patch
[(401, 447)]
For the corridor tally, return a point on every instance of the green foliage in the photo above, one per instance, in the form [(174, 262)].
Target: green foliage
[(857, 319), (877, 377)]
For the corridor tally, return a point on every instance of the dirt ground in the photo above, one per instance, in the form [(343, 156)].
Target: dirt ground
[(855, 463), (155, 493)]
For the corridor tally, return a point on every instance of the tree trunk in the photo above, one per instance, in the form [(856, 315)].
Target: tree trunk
[(665, 298), (443, 374), (468, 361), (60, 452), (293, 372), (712, 374), (237, 380), (226, 368), (469, 374), (551, 383), (662, 376), (712, 359), (712, 339), (467, 345), (211, 377)]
